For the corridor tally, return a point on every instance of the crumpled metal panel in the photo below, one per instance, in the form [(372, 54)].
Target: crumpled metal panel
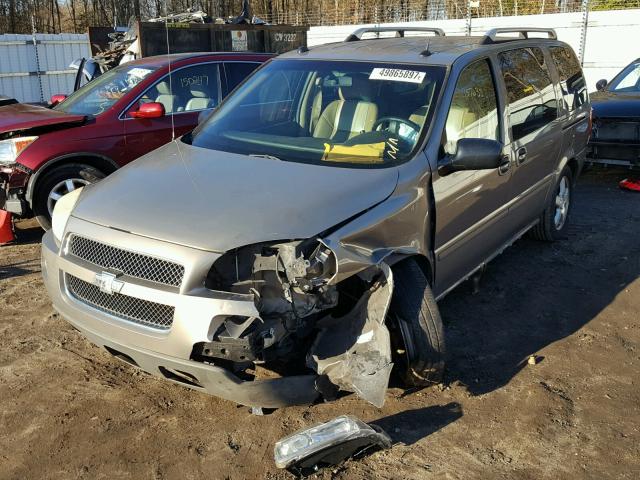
[(354, 351)]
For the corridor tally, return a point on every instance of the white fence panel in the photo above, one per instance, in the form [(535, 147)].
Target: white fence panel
[(609, 46), (19, 65)]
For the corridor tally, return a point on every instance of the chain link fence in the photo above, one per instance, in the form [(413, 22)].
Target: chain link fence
[(355, 12)]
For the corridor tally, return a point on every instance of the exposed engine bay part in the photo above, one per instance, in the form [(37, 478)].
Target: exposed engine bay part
[(290, 284), (354, 351), (338, 330), (329, 444)]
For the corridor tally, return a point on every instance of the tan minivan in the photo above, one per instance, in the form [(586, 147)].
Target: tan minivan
[(294, 244)]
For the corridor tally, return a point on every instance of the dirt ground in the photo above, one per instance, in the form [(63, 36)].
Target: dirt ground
[(71, 411)]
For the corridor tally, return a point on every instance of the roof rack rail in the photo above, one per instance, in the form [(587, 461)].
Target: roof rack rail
[(492, 35), (357, 35)]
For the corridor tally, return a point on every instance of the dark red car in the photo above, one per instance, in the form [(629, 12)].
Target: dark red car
[(121, 115)]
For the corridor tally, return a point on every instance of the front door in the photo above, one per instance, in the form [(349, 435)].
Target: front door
[(536, 130), (471, 206), (184, 94)]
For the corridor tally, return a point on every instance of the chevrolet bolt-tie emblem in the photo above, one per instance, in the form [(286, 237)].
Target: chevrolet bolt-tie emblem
[(107, 283)]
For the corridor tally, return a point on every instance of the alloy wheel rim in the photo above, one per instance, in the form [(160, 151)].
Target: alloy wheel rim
[(563, 197), (62, 188)]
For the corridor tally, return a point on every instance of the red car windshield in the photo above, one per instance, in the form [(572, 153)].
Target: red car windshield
[(102, 93), (628, 80)]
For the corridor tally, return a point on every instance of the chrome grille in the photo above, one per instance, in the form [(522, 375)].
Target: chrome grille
[(133, 309), (130, 263)]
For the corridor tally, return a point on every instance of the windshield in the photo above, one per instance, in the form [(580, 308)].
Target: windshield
[(100, 94), (326, 112), (628, 80)]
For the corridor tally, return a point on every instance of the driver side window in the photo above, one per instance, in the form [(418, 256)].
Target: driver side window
[(474, 108), (188, 89)]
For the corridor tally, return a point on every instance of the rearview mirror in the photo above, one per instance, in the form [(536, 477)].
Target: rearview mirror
[(473, 154), (600, 84), (149, 110), (56, 99)]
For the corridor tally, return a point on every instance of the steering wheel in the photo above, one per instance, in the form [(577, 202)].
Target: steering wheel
[(407, 138), (394, 124)]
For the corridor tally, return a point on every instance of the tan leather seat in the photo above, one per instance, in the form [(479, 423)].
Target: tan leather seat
[(351, 115), (461, 123), (316, 107), (165, 97), (419, 115), (200, 99)]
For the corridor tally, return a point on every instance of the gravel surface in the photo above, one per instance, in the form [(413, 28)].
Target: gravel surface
[(71, 411)]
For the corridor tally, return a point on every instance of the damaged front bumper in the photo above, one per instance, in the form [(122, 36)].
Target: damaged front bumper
[(164, 353), (13, 185), (94, 300)]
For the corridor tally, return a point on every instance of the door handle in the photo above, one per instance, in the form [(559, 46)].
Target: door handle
[(521, 155), (505, 165)]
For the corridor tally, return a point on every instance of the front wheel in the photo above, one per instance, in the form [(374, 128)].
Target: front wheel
[(59, 182), (416, 327), (555, 217)]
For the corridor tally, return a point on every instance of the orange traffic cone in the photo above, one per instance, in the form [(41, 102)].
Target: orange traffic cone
[(6, 228)]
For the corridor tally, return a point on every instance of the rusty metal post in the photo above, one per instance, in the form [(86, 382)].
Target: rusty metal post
[(583, 30)]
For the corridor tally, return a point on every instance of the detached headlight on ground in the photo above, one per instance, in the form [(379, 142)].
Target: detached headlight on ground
[(62, 212), (328, 444), (12, 148)]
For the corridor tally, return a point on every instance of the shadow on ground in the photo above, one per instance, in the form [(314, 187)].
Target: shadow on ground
[(16, 269), (411, 426), (491, 334)]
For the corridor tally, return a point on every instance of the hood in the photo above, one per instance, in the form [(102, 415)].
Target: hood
[(217, 201), (20, 117), (607, 104)]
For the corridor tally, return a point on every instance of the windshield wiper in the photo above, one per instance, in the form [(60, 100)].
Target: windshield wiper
[(264, 155)]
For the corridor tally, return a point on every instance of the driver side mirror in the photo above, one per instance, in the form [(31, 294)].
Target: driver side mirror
[(600, 84), (473, 154), (149, 110), (57, 98)]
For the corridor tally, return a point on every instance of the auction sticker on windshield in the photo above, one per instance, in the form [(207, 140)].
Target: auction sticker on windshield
[(397, 75), (139, 72)]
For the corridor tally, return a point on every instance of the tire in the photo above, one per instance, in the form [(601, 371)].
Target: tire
[(55, 181), (549, 229), (416, 327)]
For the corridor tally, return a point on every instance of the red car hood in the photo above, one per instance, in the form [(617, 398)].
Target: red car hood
[(20, 116)]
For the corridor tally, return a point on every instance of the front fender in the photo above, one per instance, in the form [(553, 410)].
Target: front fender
[(396, 228), (86, 156)]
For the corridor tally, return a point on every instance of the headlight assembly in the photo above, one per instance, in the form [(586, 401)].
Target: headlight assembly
[(328, 444), (62, 212), (11, 149)]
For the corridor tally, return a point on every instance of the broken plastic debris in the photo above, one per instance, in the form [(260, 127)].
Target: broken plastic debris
[(630, 184), (328, 444), (354, 351)]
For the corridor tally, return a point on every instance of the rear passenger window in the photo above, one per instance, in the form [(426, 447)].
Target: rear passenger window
[(532, 100), (237, 72), (474, 109), (574, 87)]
